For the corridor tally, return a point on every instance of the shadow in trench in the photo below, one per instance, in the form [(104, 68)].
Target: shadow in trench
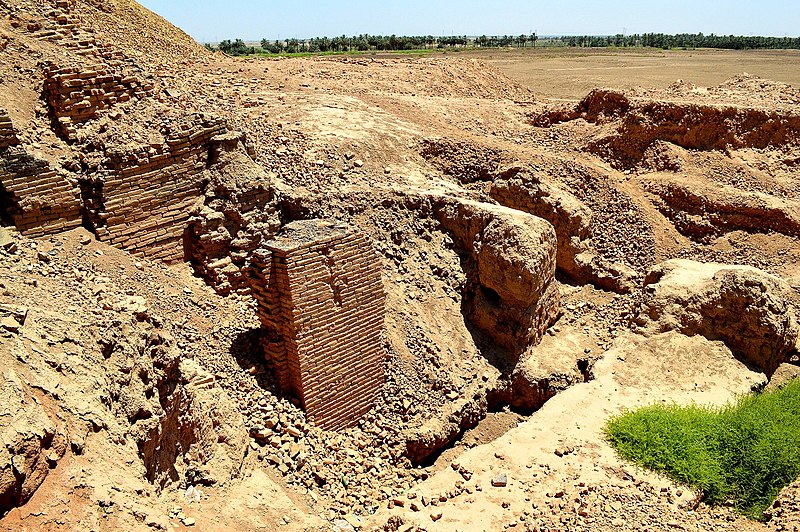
[(247, 349)]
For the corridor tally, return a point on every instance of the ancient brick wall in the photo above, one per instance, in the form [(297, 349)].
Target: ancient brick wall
[(148, 192), (76, 95), (239, 212), (321, 299), (145, 199), (37, 199), (8, 135), (93, 75)]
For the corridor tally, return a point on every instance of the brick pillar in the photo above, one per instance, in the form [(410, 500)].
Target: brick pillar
[(321, 299)]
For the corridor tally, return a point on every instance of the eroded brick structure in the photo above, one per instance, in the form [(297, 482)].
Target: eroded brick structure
[(35, 196), (76, 95), (147, 193), (95, 76), (321, 299), (8, 135)]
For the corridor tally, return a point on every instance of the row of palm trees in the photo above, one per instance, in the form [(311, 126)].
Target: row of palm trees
[(366, 42), (683, 40)]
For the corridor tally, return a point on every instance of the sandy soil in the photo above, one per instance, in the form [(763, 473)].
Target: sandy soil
[(704, 169), (572, 73)]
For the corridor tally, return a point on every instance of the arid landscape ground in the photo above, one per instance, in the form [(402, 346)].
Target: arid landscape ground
[(562, 235)]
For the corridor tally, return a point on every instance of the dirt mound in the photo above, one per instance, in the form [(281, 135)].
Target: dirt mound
[(696, 127), (120, 23), (424, 77), (514, 298), (467, 161), (744, 307), (32, 442), (746, 88), (111, 27), (599, 106), (744, 112), (545, 188)]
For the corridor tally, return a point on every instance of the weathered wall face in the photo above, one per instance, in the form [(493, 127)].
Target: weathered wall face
[(150, 193), (63, 26), (147, 195), (92, 76), (37, 199), (76, 95), (200, 183), (511, 295), (8, 135), (747, 308), (238, 213), (321, 299)]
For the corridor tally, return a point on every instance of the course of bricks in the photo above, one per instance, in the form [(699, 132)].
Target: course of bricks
[(33, 194), (147, 193), (95, 76), (321, 301), (76, 95), (8, 135), (143, 201)]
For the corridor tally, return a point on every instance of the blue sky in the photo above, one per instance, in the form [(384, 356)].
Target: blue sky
[(211, 21)]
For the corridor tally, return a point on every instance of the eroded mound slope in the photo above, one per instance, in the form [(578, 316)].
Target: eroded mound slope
[(710, 124)]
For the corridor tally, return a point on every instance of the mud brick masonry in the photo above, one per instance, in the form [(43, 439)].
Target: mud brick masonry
[(8, 135), (64, 28), (141, 199), (102, 78), (33, 194), (147, 192), (321, 300), (77, 95)]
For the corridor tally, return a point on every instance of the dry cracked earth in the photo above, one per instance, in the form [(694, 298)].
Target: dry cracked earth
[(547, 263)]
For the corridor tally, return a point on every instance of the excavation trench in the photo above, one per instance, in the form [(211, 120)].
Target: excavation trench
[(488, 416), (500, 322)]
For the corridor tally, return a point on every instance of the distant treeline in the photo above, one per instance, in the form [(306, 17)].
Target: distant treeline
[(365, 43), (685, 40)]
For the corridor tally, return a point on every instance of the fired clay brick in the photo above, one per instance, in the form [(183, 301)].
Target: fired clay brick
[(76, 96), (40, 201), (321, 300), (149, 191)]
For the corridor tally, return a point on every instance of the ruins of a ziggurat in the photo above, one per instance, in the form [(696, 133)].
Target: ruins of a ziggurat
[(192, 192), (318, 284), (199, 197)]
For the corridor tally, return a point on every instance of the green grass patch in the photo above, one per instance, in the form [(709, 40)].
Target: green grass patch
[(744, 452)]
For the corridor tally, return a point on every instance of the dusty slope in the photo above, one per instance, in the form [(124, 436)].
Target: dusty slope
[(102, 333), (559, 471), (395, 147), (140, 33)]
